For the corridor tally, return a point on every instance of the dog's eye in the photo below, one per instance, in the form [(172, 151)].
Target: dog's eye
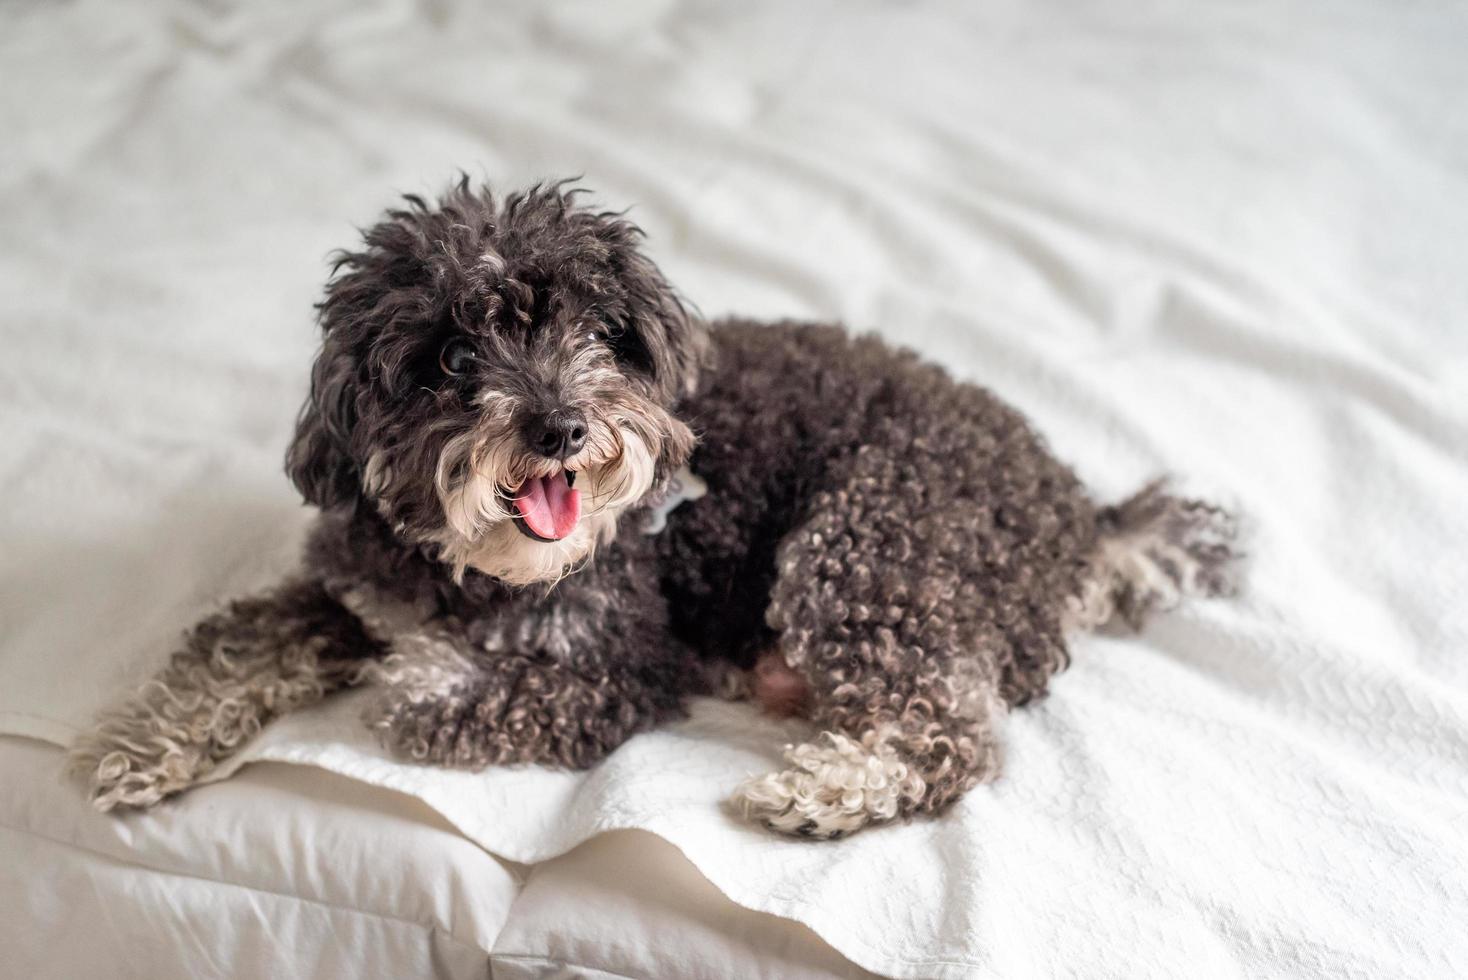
[(456, 357)]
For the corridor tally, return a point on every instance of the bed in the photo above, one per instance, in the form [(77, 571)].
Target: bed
[(1221, 241)]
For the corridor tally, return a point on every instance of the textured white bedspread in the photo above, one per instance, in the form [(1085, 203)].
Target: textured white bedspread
[(1226, 241)]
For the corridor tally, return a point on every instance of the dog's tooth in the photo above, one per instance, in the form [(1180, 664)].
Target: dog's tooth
[(570, 478)]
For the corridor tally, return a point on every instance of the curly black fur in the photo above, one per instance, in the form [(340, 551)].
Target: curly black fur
[(904, 543)]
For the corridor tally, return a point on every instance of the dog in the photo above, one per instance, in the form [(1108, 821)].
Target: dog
[(507, 389)]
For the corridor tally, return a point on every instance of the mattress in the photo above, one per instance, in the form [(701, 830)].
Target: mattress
[(1223, 242), (289, 871)]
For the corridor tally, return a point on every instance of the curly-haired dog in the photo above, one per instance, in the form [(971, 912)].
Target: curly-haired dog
[(504, 390)]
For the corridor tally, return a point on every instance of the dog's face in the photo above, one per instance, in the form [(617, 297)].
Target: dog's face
[(498, 379)]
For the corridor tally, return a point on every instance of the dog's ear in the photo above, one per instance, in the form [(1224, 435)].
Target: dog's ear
[(677, 447), (387, 288), (368, 288), (672, 340), (318, 461), (660, 336)]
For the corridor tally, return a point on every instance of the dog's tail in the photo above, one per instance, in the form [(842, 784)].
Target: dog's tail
[(1153, 550)]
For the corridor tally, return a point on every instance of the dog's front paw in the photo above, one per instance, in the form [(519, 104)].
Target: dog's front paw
[(442, 732), (433, 706), (125, 772), (834, 787)]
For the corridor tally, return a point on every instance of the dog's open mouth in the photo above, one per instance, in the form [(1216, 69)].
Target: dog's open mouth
[(548, 507)]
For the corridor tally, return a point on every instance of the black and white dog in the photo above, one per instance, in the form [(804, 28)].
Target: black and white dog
[(507, 389)]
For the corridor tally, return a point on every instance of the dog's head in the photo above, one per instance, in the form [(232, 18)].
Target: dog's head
[(498, 378)]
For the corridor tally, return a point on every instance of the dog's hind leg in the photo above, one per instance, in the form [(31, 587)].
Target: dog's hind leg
[(916, 616), (255, 660), (874, 762), (889, 604)]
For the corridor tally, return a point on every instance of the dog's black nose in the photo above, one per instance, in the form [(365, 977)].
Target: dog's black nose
[(557, 434)]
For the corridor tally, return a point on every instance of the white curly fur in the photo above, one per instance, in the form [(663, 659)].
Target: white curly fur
[(834, 786)]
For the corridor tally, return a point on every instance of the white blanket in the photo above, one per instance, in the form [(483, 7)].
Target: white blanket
[(1225, 241)]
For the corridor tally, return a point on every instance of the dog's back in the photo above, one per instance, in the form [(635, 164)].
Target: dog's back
[(795, 419)]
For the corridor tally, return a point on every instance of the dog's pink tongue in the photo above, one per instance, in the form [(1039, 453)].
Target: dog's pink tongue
[(549, 506)]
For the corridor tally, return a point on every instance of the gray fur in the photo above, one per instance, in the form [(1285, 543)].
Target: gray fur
[(905, 545), (236, 671)]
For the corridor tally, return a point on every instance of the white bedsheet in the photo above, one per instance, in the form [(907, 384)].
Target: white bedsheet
[(286, 871), (1223, 241)]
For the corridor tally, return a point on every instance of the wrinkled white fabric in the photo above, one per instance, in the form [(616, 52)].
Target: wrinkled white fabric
[(1224, 241), (284, 872)]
